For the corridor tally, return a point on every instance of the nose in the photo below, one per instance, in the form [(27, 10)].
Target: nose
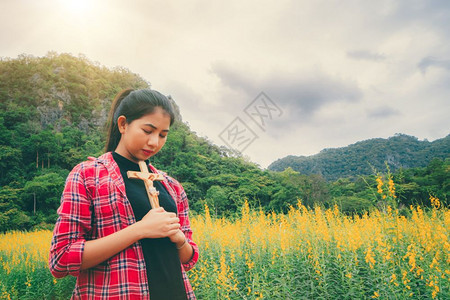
[(153, 141)]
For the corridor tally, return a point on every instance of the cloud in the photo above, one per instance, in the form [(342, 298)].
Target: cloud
[(382, 112), (433, 14), (300, 95), (333, 67), (430, 61), (365, 55)]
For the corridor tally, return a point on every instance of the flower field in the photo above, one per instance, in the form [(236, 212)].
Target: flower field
[(305, 254)]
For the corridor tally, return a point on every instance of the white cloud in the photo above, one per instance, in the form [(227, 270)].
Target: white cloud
[(342, 71), (365, 55)]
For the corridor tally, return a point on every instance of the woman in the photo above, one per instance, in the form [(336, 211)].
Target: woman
[(106, 234)]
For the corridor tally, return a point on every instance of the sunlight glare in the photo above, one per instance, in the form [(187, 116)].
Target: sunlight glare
[(76, 6)]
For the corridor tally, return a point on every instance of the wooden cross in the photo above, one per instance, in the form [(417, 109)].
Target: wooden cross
[(148, 179)]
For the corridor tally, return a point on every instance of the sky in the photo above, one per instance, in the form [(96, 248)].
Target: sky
[(267, 78)]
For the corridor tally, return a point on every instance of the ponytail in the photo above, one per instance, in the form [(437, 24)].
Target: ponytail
[(133, 104)]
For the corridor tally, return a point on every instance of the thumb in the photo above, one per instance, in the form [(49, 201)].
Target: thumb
[(158, 209)]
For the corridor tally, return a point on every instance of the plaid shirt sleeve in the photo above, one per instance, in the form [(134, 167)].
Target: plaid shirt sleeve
[(73, 223)]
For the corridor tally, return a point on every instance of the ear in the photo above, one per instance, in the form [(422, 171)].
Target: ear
[(122, 123)]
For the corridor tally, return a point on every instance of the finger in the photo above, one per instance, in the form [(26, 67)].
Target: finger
[(172, 232), (157, 210), (172, 215), (171, 229), (174, 226)]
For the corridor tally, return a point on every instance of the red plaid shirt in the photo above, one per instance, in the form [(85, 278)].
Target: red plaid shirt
[(94, 205)]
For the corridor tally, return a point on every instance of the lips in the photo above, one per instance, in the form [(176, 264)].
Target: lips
[(147, 152)]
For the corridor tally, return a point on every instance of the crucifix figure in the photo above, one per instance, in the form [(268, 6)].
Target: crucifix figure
[(148, 179)]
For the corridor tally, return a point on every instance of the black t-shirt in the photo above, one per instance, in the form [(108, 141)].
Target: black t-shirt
[(161, 255)]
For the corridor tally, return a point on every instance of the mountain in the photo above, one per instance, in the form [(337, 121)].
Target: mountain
[(367, 157), (53, 111), (62, 89)]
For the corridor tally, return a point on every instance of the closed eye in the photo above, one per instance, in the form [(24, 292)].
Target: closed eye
[(150, 132)]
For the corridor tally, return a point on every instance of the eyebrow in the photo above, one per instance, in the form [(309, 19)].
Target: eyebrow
[(154, 127)]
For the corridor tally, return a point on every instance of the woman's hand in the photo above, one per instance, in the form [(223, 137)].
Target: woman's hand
[(155, 224), (178, 238), (185, 250), (158, 223)]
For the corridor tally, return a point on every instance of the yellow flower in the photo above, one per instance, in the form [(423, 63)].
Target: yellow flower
[(379, 184), (261, 242), (370, 257), (435, 202), (391, 188)]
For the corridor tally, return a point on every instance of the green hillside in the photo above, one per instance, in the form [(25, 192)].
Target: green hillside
[(53, 111), (361, 158)]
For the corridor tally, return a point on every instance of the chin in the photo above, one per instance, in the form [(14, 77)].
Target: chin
[(148, 156)]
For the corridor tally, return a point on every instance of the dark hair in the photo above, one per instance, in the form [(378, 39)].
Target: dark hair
[(133, 104)]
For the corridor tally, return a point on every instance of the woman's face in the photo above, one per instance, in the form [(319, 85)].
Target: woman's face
[(144, 137)]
